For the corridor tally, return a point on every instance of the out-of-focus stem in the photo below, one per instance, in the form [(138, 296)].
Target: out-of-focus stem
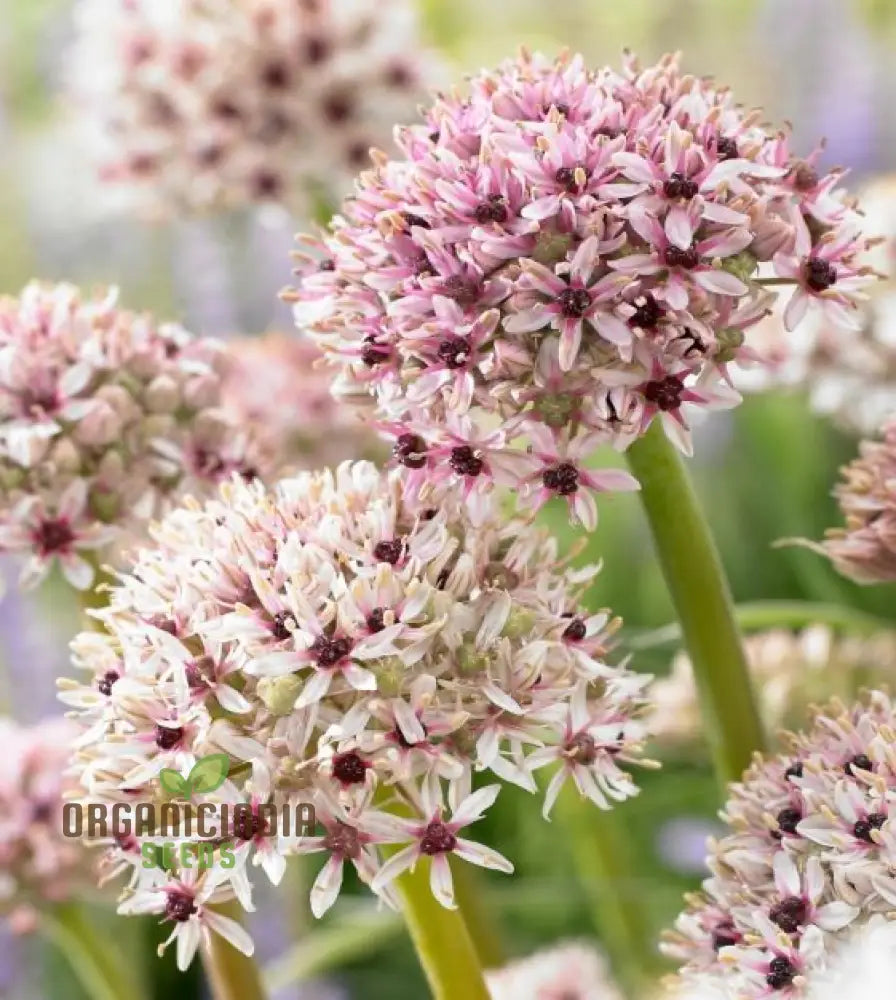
[(702, 599), (231, 974)]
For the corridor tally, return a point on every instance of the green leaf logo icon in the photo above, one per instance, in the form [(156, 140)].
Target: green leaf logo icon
[(209, 773), (173, 783)]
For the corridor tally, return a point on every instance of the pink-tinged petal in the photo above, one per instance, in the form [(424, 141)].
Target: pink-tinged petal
[(675, 291), (398, 863), (230, 930), (535, 318), (646, 226), (542, 208), (722, 172), (636, 168), (677, 433), (474, 806), (584, 507), (725, 244), (543, 278), (676, 138), (326, 886), (612, 328), (77, 571), (440, 881), (610, 481), (796, 309), (73, 499), (485, 857), (552, 791), (316, 687), (408, 723), (428, 384), (787, 877), (835, 916), (570, 342), (719, 281), (188, 936), (714, 212), (584, 259), (678, 227), (358, 678), (636, 263)]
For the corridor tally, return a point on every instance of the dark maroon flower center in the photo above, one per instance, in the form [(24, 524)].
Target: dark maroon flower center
[(278, 625), (410, 451), (37, 399), (372, 353), (53, 535), (453, 352), (789, 914), (861, 761), (820, 274), (574, 302), (415, 220), (566, 176), (863, 827), (388, 551), (397, 736), (582, 748), (676, 257), (167, 737), (316, 49), (266, 184), (248, 824), (437, 839), (338, 108), (724, 936), (200, 671), (375, 620), (647, 314), (328, 652), (464, 461), (465, 291), (665, 393), (575, 631), (349, 768), (781, 973), (343, 841), (562, 479), (275, 75), (179, 906), (788, 820), (493, 209), (726, 148), (679, 186), (795, 770), (104, 684)]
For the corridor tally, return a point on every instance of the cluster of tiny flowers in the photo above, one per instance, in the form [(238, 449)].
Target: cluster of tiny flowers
[(38, 865), (569, 971), (350, 651), (810, 857), (559, 258), (864, 549), (790, 670), (275, 384), (852, 379), (195, 103), (103, 414)]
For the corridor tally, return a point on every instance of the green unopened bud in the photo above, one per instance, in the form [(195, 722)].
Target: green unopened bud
[(519, 623), (742, 265), (729, 340), (280, 693), (551, 247), (470, 660), (389, 672), (555, 409), (105, 506)]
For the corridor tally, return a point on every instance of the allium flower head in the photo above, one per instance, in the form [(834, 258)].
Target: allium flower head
[(362, 654), (809, 859), (791, 670), (197, 103), (275, 384), (570, 971), (864, 549), (562, 256), (103, 416), (38, 865)]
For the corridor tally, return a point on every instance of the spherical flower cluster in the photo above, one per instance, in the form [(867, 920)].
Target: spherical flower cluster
[(570, 971), (852, 379), (103, 415), (559, 258), (274, 383), (791, 671), (864, 549), (38, 865), (195, 103), (351, 651), (810, 858)]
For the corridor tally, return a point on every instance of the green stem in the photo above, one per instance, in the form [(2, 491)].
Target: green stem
[(603, 857), (441, 939), (702, 598), (754, 616), (95, 960), (484, 929), (231, 974)]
